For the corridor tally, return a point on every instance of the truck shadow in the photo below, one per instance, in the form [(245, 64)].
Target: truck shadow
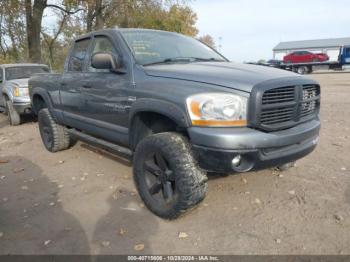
[(128, 222), (32, 219), (126, 228), (28, 118)]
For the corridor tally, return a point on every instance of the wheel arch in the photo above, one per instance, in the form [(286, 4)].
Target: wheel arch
[(40, 99), (6, 96), (150, 116)]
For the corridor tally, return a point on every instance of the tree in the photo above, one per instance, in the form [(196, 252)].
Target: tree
[(50, 41), (181, 19), (34, 15), (24, 38), (12, 31), (208, 40), (171, 15)]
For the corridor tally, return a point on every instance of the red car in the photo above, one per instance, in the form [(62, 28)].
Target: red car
[(304, 57)]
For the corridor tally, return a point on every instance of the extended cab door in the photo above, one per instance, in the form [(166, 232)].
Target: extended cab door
[(72, 82), (106, 95)]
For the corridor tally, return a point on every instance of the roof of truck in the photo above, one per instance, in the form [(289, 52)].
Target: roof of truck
[(21, 64), (109, 30)]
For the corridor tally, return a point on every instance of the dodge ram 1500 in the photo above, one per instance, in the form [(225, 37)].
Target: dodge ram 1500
[(178, 109)]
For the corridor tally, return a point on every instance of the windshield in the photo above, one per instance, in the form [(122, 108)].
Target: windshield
[(151, 47), (20, 72)]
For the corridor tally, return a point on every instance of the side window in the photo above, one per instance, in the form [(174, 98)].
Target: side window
[(101, 44), (76, 61), (1, 75)]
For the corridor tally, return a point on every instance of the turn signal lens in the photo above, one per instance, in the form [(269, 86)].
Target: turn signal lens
[(217, 109)]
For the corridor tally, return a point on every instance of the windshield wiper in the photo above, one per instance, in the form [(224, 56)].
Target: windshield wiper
[(170, 60), (212, 59), (185, 59)]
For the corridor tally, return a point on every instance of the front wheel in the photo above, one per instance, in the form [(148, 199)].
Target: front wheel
[(12, 115), (166, 175)]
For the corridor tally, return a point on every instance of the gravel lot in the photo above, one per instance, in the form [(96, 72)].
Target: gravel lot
[(83, 201)]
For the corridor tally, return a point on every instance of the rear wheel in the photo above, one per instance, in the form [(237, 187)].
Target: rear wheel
[(302, 70), (166, 175), (12, 115), (54, 136)]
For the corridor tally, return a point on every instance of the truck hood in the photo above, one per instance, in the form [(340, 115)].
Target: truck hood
[(232, 75), (20, 82)]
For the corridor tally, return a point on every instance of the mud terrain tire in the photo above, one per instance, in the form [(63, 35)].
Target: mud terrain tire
[(54, 136), (167, 176)]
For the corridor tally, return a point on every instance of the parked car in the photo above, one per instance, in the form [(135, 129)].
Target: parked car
[(178, 109), (274, 63), (14, 95), (304, 57)]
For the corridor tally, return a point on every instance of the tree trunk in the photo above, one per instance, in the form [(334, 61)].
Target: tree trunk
[(99, 16), (89, 17), (34, 15)]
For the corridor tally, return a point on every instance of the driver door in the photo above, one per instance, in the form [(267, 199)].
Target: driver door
[(106, 103)]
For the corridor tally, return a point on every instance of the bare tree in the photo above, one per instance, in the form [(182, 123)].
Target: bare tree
[(34, 16)]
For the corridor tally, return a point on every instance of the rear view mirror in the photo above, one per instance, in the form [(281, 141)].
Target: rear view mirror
[(105, 61)]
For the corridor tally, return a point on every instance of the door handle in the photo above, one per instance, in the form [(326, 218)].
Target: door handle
[(86, 86)]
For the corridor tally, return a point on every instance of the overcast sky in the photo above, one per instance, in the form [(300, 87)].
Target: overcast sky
[(251, 28)]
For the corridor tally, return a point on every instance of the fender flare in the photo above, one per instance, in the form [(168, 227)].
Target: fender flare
[(165, 108), (44, 94)]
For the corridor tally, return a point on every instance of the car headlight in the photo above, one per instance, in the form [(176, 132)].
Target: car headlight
[(20, 91), (217, 109)]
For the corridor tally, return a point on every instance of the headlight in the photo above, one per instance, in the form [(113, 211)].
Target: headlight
[(217, 109), (20, 91)]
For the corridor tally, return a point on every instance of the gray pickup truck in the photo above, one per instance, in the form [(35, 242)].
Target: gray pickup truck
[(178, 109), (14, 95)]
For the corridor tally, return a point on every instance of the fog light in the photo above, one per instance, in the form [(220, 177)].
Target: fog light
[(236, 161)]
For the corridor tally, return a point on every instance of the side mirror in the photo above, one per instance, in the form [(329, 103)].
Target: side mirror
[(105, 61)]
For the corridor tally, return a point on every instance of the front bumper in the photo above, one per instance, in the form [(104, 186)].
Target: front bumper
[(22, 107), (215, 148)]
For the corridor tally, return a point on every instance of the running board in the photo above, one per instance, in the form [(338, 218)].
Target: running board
[(110, 147)]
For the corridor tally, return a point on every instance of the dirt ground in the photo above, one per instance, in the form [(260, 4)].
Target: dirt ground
[(83, 201)]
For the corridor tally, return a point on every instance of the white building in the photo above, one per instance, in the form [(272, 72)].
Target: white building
[(329, 46)]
